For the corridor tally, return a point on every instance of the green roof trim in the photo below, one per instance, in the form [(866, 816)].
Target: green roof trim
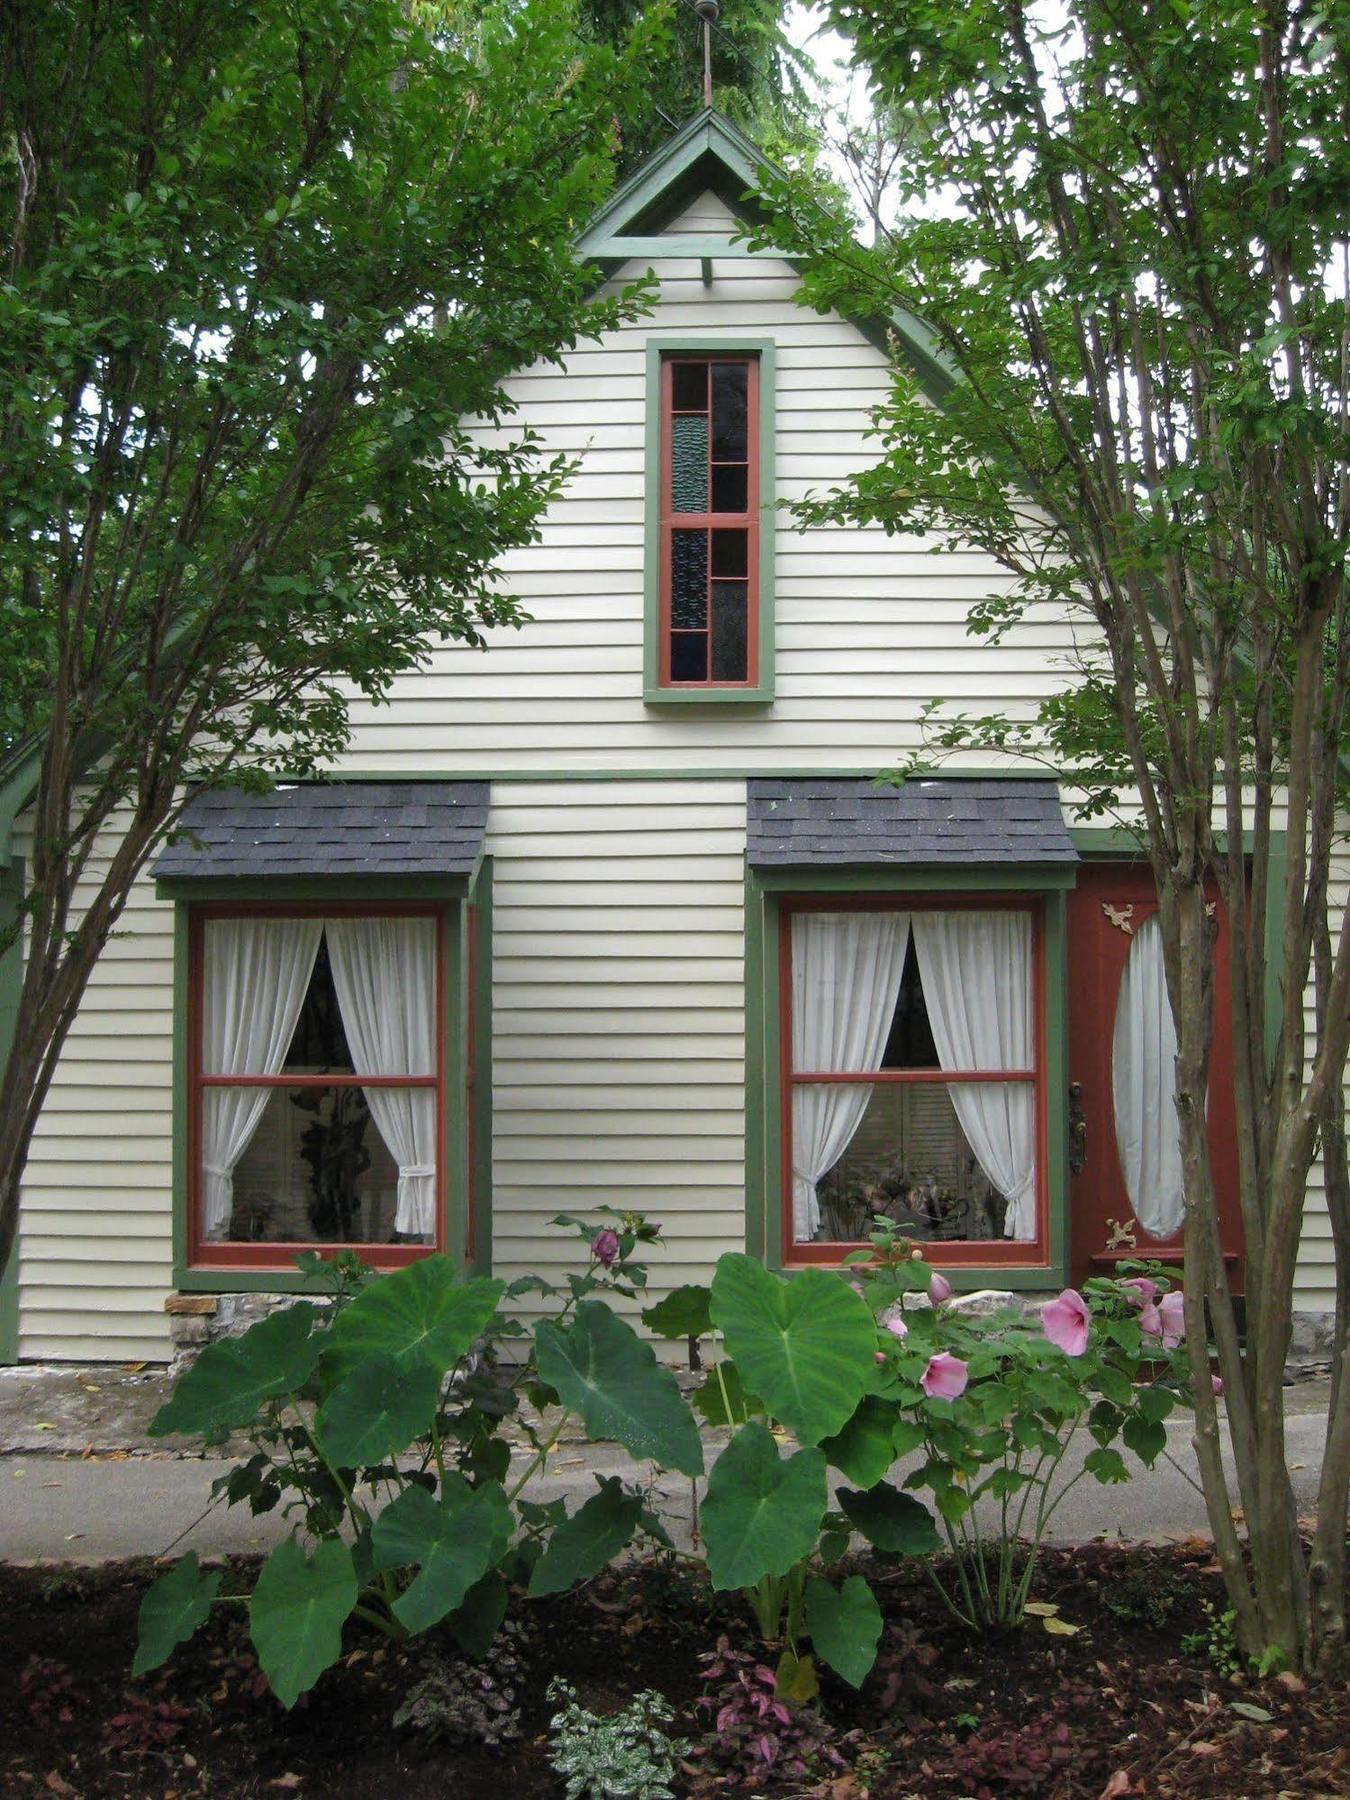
[(709, 153)]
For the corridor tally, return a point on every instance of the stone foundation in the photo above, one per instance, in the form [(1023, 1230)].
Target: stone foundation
[(198, 1319)]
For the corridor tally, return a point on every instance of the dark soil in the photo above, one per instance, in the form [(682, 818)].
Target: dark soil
[(1113, 1709)]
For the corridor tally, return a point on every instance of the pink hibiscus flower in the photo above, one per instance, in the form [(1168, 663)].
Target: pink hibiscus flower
[(1172, 1312), (945, 1377), (896, 1326), (605, 1247), (1065, 1322), (939, 1289), (1150, 1321), (1140, 1291)]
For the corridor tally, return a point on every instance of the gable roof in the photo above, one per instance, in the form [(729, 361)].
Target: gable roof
[(814, 822), (710, 154)]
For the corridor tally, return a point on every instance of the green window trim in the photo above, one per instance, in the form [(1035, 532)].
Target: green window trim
[(764, 1149), (456, 896), (653, 693), (11, 980)]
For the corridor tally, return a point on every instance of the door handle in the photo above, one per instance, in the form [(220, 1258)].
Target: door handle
[(1078, 1129)]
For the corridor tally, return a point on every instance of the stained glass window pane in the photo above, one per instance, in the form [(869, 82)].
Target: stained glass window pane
[(689, 580), (688, 656), (729, 660), (689, 386), (730, 487), (731, 553), (689, 464), (730, 385)]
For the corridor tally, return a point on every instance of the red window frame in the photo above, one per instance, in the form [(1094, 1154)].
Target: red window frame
[(748, 520), (988, 1252), (214, 1255)]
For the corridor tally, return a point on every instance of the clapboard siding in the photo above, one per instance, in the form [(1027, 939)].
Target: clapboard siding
[(96, 1223), (867, 625), (631, 1090)]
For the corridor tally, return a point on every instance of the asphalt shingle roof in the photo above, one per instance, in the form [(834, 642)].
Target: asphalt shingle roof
[(339, 828), (811, 823)]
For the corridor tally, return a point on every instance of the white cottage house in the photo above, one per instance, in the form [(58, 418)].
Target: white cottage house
[(613, 913)]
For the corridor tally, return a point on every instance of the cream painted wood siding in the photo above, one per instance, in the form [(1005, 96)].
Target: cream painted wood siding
[(96, 1222), (618, 936), (869, 627), (618, 1016)]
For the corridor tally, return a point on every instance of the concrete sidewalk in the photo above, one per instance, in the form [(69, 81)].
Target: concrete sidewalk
[(78, 1481)]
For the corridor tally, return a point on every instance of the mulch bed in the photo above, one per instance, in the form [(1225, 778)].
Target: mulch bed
[(1114, 1710)]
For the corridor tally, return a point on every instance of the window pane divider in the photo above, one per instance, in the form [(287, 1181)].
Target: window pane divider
[(895, 1076), (320, 1081)]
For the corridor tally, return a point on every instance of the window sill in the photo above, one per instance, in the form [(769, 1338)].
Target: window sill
[(738, 696), (965, 1277)]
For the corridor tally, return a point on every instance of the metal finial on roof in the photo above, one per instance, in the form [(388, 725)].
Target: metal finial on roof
[(707, 11)]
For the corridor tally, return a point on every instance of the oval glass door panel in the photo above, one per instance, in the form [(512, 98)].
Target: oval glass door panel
[(1143, 1081)]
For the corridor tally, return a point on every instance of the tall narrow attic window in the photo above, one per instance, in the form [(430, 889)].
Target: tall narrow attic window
[(710, 492)]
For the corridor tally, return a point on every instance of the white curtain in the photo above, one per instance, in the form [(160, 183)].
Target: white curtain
[(1143, 1080), (384, 971), (976, 974), (254, 983), (846, 970)]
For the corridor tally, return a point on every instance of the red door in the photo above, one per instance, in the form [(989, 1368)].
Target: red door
[(1111, 926)]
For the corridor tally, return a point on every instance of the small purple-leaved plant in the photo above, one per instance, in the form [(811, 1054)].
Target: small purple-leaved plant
[(754, 1734)]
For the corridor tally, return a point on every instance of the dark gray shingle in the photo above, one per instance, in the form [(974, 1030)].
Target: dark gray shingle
[(330, 828), (808, 823)]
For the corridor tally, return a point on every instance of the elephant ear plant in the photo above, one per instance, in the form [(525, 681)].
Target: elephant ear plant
[(800, 1354), (377, 1430)]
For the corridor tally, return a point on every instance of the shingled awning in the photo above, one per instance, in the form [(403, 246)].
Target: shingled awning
[(336, 828), (924, 823)]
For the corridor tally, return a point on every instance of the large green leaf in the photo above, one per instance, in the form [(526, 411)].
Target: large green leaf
[(172, 1610), (580, 1547), (804, 1343), (297, 1612), (601, 1369), (722, 1389), (761, 1514), (453, 1541), (682, 1314), (229, 1381), (377, 1411), (423, 1313), (477, 1619), (845, 1626), (891, 1520), (865, 1448)]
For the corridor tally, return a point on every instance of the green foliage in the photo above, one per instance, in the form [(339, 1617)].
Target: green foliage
[(760, 77), (865, 1449), (452, 1541), (891, 1521), (421, 1314), (804, 1345), (297, 1612), (582, 1545), (683, 1313), (172, 1611), (380, 1436), (600, 1368), (845, 1626), (377, 1410), (762, 1513), (224, 1388), (625, 1756)]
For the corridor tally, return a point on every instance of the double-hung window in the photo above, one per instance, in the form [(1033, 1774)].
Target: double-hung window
[(912, 1072), (317, 1080)]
